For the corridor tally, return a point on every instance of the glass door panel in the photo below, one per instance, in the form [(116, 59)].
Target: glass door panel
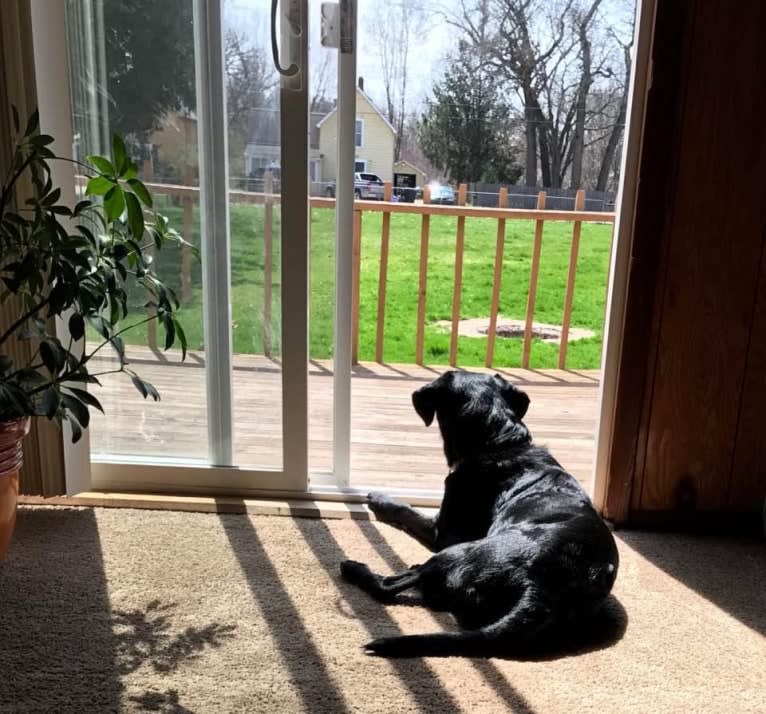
[(132, 73)]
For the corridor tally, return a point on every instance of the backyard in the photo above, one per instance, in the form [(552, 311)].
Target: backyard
[(247, 257)]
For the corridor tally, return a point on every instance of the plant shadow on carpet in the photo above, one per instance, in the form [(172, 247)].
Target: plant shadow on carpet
[(64, 649)]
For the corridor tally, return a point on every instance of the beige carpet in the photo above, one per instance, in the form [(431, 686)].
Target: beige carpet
[(119, 610)]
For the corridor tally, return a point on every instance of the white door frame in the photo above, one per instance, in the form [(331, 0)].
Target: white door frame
[(641, 80)]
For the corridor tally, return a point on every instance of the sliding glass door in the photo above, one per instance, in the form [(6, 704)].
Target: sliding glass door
[(219, 127)]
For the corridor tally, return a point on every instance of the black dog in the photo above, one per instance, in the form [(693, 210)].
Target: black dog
[(521, 552)]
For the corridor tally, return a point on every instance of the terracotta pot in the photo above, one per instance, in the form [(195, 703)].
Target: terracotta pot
[(12, 433)]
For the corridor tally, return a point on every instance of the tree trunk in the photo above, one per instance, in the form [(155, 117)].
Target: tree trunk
[(530, 118), (615, 137), (586, 80)]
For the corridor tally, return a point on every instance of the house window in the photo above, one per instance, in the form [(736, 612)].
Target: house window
[(360, 166), (359, 132)]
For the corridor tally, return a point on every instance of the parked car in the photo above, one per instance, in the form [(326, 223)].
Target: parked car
[(442, 194), (366, 186)]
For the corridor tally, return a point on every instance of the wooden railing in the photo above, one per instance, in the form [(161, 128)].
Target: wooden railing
[(540, 215)]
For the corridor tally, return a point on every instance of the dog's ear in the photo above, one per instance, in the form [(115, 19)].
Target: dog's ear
[(517, 400), (424, 401)]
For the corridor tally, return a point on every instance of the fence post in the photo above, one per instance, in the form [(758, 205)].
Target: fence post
[(268, 258), (579, 205), (425, 226), (383, 275), (355, 285), (459, 247), (502, 202), (534, 271), (187, 234)]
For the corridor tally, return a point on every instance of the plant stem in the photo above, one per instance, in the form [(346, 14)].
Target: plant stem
[(15, 326), (117, 334)]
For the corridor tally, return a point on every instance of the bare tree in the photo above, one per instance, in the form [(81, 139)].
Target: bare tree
[(394, 26), (553, 54), (321, 81)]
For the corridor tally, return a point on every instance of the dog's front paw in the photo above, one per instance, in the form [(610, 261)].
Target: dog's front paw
[(384, 507), (354, 572)]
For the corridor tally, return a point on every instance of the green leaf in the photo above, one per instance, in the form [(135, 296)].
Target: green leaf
[(100, 325), (51, 198), (15, 113), (53, 355), (141, 191), (76, 430), (114, 203), (50, 402), (130, 172), (139, 385), (81, 206), (181, 337), (98, 186), (77, 408), (88, 234), (76, 326), (102, 164), (6, 363), (41, 140), (135, 215), (33, 123), (120, 154), (86, 397), (170, 330)]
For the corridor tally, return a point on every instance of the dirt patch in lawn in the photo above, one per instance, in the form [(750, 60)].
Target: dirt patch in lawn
[(507, 328)]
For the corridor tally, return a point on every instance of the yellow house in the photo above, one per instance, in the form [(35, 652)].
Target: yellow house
[(374, 140), (174, 143)]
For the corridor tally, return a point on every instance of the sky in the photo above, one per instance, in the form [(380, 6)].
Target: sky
[(251, 18), (429, 52)]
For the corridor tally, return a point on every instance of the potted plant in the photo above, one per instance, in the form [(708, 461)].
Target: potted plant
[(78, 264)]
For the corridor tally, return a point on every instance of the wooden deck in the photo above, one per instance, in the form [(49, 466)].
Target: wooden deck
[(390, 445)]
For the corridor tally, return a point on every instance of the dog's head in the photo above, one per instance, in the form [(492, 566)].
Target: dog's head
[(474, 411)]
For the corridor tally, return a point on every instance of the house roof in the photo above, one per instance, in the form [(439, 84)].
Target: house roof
[(411, 165), (371, 103), (264, 130)]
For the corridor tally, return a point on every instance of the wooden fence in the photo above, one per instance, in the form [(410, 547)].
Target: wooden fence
[(461, 211)]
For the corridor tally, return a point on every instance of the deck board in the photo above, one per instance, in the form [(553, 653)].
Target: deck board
[(390, 445)]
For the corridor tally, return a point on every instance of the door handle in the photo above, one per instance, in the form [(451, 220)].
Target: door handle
[(293, 69)]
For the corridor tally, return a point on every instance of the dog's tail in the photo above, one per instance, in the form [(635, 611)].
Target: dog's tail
[(517, 629)]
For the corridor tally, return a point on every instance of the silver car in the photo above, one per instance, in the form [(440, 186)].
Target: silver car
[(366, 186)]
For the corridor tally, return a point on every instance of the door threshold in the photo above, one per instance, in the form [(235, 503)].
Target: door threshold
[(304, 507)]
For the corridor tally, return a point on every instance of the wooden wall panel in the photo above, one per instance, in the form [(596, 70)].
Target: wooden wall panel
[(747, 488), (661, 134), (715, 242)]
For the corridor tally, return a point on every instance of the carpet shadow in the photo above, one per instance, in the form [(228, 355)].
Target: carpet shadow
[(419, 678), (58, 651), (145, 636), (728, 571), (164, 702), (308, 671), (603, 630)]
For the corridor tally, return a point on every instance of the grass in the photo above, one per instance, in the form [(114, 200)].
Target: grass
[(402, 290)]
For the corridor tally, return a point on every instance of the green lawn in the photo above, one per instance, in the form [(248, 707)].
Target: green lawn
[(401, 303)]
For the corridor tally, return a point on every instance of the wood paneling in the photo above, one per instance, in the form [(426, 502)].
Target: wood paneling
[(692, 336), (747, 489), (670, 56), (715, 241)]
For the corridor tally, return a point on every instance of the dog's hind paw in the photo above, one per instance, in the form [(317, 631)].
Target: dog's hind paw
[(353, 571)]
